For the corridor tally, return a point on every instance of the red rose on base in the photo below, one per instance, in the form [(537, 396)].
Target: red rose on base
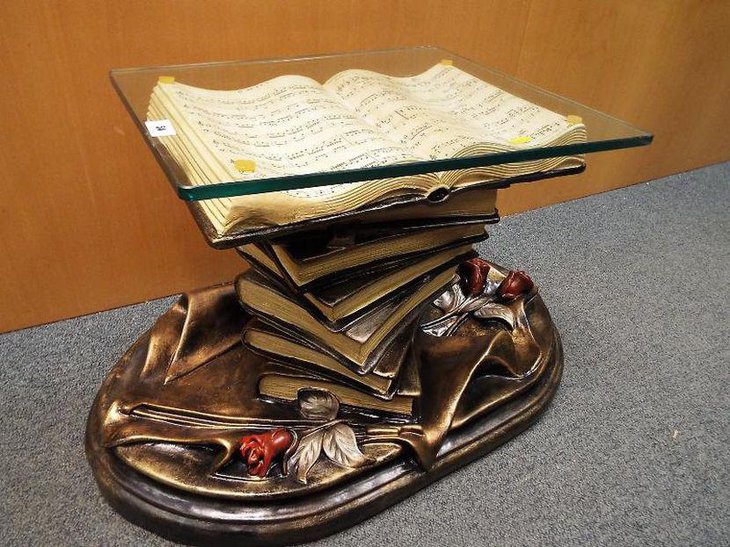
[(515, 284), (259, 451), (473, 273)]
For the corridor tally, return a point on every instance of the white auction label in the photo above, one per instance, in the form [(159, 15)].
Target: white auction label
[(160, 128)]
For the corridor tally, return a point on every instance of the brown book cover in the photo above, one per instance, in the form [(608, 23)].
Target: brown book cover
[(343, 302), (286, 386), (361, 345), (332, 257), (288, 379), (272, 342)]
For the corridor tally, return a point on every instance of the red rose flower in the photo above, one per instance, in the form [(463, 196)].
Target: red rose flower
[(259, 451), (515, 284), (473, 273)]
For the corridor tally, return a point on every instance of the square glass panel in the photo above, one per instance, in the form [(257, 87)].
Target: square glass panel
[(334, 119)]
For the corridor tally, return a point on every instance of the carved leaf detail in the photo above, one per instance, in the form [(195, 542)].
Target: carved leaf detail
[(476, 303), (451, 298), (493, 310), (340, 445), (305, 456), (318, 404), (440, 328)]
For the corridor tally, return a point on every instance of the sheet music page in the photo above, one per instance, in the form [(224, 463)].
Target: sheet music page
[(288, 125), (444, 110)]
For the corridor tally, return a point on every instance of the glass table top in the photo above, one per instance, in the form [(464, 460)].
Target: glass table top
[(238, 128)]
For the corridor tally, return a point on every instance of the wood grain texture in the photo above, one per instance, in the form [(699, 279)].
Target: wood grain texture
[(88, 221)]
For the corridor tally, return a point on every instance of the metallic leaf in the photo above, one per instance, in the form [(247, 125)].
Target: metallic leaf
[(340, 446), (318, 404), (451, 298), (440, 328), (475, 303), (493, 310), (305, 456)]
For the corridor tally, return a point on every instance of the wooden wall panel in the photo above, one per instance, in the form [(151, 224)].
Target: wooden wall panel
[(662, 65), (88, 221)]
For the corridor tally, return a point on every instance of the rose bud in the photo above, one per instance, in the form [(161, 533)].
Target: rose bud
[(515, 284), (473, 274), (258, 451)]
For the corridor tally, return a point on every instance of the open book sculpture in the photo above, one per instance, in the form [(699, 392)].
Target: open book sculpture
[(356, 119), (367, 350)]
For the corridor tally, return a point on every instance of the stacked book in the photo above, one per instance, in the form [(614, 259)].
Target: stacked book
[(335, 309)]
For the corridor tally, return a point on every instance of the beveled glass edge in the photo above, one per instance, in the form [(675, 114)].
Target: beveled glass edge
[(312, 180)]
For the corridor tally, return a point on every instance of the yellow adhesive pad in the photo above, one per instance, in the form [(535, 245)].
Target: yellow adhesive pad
[(245, 166), (572, 119), (166, 79), (520, 140)]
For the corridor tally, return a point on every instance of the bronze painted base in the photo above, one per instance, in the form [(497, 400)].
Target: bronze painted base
[(184, 441), (195, 520)]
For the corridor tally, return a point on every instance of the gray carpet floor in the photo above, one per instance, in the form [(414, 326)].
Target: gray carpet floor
[(634, 449)]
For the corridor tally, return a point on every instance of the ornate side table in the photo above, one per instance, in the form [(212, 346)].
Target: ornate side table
[(230, 422)]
